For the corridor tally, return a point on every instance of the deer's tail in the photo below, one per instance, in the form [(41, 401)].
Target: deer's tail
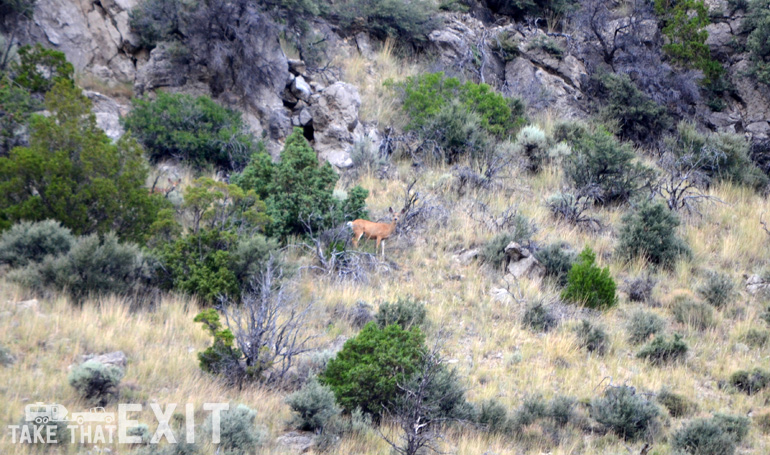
[(350, 224)]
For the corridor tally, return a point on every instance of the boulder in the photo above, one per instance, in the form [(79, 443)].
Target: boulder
[(296, 442), (335, 117), (522, 263), (297, 67), (117, 359), (465, 257), (756, 284), (107, 112), (720, 39), (305, 116), (158, 71), (300, 88), (95, 36), (541, 88)]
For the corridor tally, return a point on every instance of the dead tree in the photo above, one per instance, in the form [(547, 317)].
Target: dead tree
[(268, 326), (683, 179)]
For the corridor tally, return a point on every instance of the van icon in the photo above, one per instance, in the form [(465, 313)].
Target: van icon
[(41, 413)]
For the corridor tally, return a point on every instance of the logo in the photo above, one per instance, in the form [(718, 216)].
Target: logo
[(96, 425)]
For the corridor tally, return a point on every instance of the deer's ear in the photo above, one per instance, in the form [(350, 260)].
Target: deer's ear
[(390, 209)]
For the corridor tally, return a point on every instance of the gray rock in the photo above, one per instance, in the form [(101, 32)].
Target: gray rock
[(541, 88), (297, 67), (335, 118), (31, 304), (465, 257), (279, 125), (522, 264), (296, 441), (116, 359), (720, 39), (300, 88), (305, 116), (516, 252), (107, 113)]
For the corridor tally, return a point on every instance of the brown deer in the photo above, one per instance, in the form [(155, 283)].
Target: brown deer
[(371, 230), (165, 191)]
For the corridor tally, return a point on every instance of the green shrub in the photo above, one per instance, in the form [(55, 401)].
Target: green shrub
[(677, 405), (591, 337), (93, 267), (642, 325), (600, 161), (684, 24), (493, 416), (650, 232), (302, 192), (755, 337), (533, 408), (718, 156), (366, 372), (561, 409), (73, 173), (456, 132), (750, 382), (406, 313), (626, 413), (223, 356), (27, 242), (257, 175), (16, 107), (716, 436), (40, 69), (539, 317), (506, 45), (640, 118), (493, 252), (142, 431), (588, 284), (95, 381), (664, 350), (313, 406), (195, 130), (717, 289), (548, 45), (757, 25), (697, 315), (238, 433), (557, 260), (424, 96), (407, 21)]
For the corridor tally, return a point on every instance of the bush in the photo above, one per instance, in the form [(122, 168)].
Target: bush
[(39, 69), (313, 405), (717, 289), (676, 404), (302, 192), (533, 408), (456, 132), (366, 372), (493, 252), (640, 289), (93, 267), (360, 315), (591, 337), (532, 144), (624, 412), (684, 24), (90, 184), (588, 284), (424, 96), (95, 381), (600, 161), (539, 317), (493, 416), (718, 156), (28, 242), (194, 130), (534, 8), (409, 21), (664, 350), (757, 25), (697, 315), (557, 260), (406, 313), (238, 434), (755, 337), (750, 382), (640, 118), (650, 232), (561, 409), (716, 436), (642, 325)]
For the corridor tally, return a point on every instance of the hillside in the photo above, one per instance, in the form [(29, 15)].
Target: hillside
[(178, 180)]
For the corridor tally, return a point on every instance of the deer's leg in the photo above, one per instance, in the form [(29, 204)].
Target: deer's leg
[(379, 240), (356, 238), (383, 248)]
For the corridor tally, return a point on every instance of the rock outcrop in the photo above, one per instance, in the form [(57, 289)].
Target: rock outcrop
[(335, 118), (522, 263)]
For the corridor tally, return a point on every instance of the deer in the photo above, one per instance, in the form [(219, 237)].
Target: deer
[(165, 191), (372, 230)]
